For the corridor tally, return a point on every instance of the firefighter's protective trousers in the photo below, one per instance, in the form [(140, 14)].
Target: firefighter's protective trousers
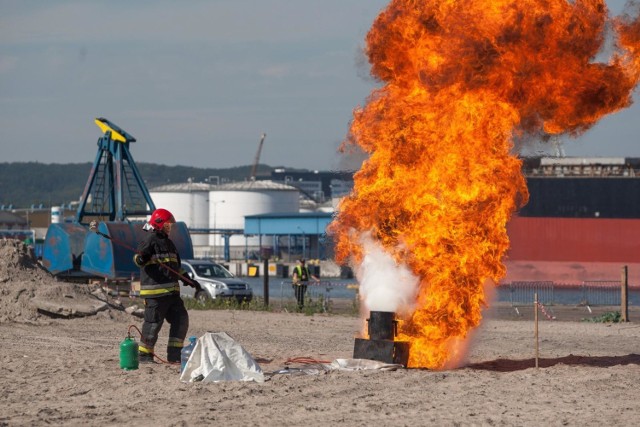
[(156, 311)]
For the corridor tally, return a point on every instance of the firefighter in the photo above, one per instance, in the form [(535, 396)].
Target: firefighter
[(301, 276), (160, 271)]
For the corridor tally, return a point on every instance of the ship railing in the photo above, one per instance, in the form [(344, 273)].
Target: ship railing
[(555, 170), (522, 294), (601, 293)]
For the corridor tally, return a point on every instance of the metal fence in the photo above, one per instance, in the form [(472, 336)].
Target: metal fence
[(320, 292), (589, 293), (601, 292), (522, 293)]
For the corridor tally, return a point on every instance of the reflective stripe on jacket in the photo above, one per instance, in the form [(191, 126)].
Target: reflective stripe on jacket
[(159, 290)]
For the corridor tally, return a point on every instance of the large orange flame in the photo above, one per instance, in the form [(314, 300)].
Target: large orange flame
[(463, 79)]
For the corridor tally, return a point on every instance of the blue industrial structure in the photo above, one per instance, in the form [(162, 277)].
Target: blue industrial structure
[(305, 232), (226, 234)]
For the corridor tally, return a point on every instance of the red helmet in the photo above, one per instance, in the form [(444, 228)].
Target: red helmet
[(160, 217)]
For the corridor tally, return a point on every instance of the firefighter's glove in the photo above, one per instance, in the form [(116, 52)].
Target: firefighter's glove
[(137, 259), (194, 284)]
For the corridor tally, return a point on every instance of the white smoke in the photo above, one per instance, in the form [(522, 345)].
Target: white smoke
[(384, 284)]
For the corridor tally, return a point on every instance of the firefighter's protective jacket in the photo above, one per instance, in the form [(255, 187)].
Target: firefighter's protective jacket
[(157, 280)]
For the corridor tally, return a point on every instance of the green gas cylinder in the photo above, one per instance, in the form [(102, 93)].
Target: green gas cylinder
[(129, 354)]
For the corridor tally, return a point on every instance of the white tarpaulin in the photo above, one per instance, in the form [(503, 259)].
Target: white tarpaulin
[(363, 364), (217, 357)]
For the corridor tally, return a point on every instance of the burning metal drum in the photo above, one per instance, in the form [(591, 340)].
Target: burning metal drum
[(382, 328)]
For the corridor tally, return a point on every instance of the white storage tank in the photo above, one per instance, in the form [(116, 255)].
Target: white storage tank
[(56, 214), (230, 203), (188, 202)]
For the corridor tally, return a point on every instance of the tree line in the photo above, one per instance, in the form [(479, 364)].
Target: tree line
[(23, 184)]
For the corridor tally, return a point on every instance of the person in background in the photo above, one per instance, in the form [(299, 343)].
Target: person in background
[(160, 271), (301, 277)]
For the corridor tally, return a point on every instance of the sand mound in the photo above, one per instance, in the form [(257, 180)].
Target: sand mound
[(30, 294), (17, 261)]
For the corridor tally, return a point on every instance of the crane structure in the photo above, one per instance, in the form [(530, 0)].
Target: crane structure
[(254, 169), (116, 195), (115, 189)]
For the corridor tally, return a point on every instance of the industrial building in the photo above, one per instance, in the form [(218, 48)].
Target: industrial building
[(319, 186), (246, 220), (231, 221), (10, 221)]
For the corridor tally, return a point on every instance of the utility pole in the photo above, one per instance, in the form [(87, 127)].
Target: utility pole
[(215, 229)]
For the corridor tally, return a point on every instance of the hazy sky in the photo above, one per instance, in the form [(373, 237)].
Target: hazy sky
[(197, 82)]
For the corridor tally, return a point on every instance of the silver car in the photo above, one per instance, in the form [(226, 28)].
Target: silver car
[(216, 282)]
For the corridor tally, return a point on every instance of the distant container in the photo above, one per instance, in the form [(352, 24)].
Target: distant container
[(56, 214)]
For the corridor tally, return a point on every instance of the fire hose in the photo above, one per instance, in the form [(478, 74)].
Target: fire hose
[(93, 226)]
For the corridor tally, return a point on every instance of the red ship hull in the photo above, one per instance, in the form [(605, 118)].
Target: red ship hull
[(572, 250)]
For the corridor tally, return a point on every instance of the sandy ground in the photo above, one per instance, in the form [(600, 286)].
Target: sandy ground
[(65, 371)]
